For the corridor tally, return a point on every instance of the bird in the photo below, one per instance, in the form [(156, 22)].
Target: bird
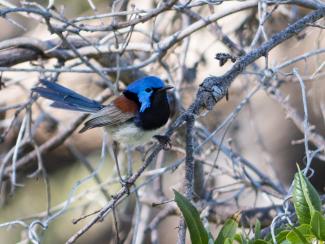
[(132, 118)]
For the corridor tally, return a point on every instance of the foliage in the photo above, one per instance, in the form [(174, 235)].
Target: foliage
[(192, 218), (309, 228)]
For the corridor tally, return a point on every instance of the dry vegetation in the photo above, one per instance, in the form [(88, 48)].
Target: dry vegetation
[(265, 57)]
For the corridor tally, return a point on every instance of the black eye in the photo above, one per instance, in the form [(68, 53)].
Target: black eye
[(148, 89)]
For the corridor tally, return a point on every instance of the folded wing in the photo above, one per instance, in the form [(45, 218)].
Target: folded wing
[(119, 111)]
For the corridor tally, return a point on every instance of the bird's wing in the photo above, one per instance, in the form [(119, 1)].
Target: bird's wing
[(117, 112)]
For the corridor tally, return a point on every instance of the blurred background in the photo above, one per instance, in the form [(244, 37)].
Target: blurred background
[(267, 132)]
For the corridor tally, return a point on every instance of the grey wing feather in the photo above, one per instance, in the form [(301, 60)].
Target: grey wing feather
[(108, 116)]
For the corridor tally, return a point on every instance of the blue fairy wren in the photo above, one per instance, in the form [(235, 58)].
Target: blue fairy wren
[(132, 118)]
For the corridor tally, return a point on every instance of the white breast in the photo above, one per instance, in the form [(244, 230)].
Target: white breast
[(131, 135)]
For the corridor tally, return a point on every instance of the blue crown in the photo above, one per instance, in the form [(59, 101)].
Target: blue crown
[(140, 87), (146, 82)]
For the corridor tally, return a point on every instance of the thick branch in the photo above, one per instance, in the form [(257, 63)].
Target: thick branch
[(189, 173)]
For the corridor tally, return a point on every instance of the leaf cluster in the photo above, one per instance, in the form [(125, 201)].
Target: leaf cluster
[(310, 226)]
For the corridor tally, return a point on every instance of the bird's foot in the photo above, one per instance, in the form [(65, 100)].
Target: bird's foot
[(126, 184), (164, 141)]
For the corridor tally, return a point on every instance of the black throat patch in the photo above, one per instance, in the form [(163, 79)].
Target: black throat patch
[(154, 116)]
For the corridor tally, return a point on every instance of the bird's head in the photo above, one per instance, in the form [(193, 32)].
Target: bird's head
[(145, 88)]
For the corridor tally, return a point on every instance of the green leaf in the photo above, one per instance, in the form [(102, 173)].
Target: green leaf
[(259, 241), (239, 238), (227, 241), (257, 229), (300, 235), (228, 230), (318, 225), (281, 237), (285, 242), (305, 198), (192, 219)]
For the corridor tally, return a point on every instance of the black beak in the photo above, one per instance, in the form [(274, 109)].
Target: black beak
[(167, 87)]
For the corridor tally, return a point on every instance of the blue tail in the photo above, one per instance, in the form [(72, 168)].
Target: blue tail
[(67, 99)]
